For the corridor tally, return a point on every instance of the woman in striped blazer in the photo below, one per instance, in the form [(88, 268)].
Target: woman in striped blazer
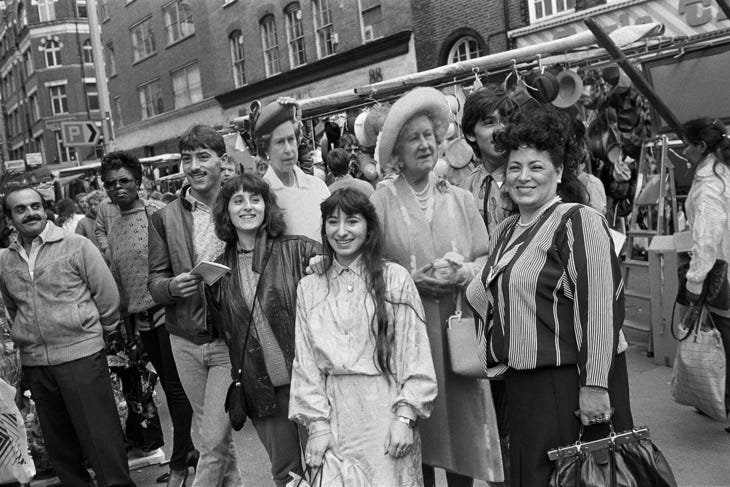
[(553, 287)]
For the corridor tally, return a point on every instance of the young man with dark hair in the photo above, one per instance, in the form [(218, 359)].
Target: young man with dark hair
[(61, 298), (338, 162), (182, 235), (485, 112)]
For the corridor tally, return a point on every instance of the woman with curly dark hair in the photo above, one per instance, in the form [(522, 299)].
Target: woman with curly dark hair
[(551, 301), (253, 309)]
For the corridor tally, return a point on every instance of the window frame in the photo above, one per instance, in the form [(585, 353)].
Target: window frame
[(364, 28), (33, 106), (295, 35), (61, 97), (90, 93), (110, 61), (272, 59), (532, 9), (87, 52), (61, 148), (461, 41), (238, 63), (54, 51), (324, 32), (48, 7), (174, 32), (187, 69), (146, 28), (155, 104)]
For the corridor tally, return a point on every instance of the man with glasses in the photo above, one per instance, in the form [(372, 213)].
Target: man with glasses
[(484, 112)]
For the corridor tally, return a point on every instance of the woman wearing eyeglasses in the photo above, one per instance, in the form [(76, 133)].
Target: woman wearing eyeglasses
[(121, 174)]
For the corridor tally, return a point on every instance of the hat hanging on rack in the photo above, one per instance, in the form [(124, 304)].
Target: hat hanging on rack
[(570, 89)]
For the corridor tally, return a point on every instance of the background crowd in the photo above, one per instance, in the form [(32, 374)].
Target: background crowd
[(329, 330)]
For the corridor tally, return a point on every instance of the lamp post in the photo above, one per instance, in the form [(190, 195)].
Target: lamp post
[(100, 72)]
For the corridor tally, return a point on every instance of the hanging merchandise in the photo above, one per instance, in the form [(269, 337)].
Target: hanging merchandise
[(570, 89)]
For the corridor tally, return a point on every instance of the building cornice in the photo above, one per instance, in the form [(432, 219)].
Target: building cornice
[(149, 123), (361, 56)]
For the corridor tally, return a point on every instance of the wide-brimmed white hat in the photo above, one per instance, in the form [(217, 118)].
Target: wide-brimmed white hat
[(429, 101), (571, 89)]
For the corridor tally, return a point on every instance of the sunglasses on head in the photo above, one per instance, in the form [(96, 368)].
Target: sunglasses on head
[(123, 182)]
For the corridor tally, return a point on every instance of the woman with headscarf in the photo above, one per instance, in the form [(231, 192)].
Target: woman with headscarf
[(276, 132), (435, 231), (553, 281)]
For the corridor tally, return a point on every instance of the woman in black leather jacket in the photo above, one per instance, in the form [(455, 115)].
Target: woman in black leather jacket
[(265, 269)]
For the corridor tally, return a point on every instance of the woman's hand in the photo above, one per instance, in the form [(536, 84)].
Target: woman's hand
[(399, 439), (594, 404), (316, 448)]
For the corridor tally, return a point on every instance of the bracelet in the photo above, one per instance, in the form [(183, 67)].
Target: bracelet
[(411, 423)]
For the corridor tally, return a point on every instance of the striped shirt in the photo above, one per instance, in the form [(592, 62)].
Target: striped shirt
[(557, 293)]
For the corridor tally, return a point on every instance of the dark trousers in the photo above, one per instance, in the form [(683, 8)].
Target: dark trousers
[(452, 479), (281, 439), (723, 326), (541, 406), (79, 419), (156, 344)]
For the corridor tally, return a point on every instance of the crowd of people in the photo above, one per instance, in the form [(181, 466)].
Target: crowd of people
[(328, 331)]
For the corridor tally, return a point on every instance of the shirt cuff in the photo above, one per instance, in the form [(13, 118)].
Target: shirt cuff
[(318, 427)]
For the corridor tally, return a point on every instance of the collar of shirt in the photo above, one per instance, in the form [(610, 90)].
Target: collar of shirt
[(303, 181), (498, 175), (357, 267), (196, 203), (50, 233)]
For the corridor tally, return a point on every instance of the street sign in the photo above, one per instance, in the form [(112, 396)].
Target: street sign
[(79, 133), (34, 159), (15, 165)]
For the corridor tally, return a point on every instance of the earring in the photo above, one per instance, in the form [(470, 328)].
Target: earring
[(560, 181)]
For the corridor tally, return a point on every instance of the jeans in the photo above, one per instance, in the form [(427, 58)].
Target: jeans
[(156, 344), (79, 419), (205, 373)]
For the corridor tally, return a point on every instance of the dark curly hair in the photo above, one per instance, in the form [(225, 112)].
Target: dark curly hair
[(249, 183), (550, 130), (481, 105), (121, 160)]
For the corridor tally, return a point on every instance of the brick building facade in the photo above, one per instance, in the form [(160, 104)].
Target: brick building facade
[(46, 78)]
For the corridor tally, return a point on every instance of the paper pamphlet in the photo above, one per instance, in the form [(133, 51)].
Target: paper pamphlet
[(210, 271)]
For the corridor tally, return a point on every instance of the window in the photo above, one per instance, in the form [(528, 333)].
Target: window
[(543, 9), (22, 15), (295, 35), (81, 11), (59, 101), (92, 96), (87, 51), (235, 40), (372, 19), (118, 111), (150, 99), (33, 104), (111, 64), (103, 9), (65, 154), (28, 61), (464, 49), (52, 53), (178, 21), (186, 86), (324, 29), (46, 12), (143, 42), (271, 46)]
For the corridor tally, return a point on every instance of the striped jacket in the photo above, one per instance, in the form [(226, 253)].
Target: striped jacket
[(557, 294)]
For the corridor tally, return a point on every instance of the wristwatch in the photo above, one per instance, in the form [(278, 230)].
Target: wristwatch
[(411, 423)]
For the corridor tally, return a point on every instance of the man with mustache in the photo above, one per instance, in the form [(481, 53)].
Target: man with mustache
[(61, 299), (181, 235)]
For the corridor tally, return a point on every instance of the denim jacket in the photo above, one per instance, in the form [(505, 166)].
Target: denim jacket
[(59, 309)]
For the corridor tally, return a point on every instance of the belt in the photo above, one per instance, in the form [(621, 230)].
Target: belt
[(147, 315)]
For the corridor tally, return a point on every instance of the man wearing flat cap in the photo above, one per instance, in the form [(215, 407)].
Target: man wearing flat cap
[(276, 133)]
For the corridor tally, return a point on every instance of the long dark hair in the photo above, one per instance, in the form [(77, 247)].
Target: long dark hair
[(714, 134), (353, 202), (254, 184), (548, 130)]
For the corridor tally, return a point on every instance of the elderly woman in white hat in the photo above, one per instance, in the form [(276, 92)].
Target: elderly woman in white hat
[(435, 230), (276, 132)]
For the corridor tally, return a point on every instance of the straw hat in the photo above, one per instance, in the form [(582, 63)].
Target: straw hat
[(419, 100)]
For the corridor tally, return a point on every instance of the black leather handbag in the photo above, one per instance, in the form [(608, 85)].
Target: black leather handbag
[(619, 460), (715, 290)]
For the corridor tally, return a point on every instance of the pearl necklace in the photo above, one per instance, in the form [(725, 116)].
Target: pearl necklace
[(423, 197), (539, 214)]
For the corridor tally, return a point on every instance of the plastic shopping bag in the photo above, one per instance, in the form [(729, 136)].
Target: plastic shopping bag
[(15, 462)]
